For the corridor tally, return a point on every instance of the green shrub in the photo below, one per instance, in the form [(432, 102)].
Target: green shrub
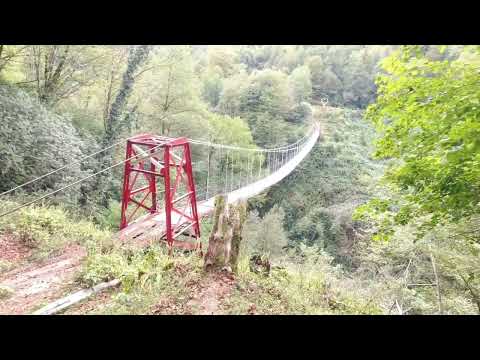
[(146, 276), (35, 226), (304, 282), (110, 217), (47, 229), (300, 113), (101, 267), (35, 140), (5, 266), (5, 292)]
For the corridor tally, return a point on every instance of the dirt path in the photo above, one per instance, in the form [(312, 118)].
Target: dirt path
[(210, 293), (12, 251), (206, 297), (34, 285)]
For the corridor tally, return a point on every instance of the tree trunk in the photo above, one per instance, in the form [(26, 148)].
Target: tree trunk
[(437, 283), (226, 236), (136, 58), (116, 121), (1, 63), (473, 293)]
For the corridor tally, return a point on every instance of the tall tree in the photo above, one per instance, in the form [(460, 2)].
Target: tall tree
[(117, 120), (59, 71), (117, 58), (300, 84), (427, 116), (8, 53), (171, 94)]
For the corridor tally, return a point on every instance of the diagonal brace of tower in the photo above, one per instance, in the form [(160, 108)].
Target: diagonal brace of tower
[(150, 159)]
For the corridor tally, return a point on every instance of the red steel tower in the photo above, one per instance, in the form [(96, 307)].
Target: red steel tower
[(150, 158)]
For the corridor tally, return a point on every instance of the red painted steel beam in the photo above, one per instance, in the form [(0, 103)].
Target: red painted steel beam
[(181, 162), (148, 172)]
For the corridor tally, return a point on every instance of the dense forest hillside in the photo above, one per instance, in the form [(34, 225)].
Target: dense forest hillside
[(320, 197), (380, 218)]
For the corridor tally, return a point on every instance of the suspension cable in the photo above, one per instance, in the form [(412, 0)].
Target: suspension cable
[(61, 168), (230, 147), (76, 182), (208, 168), (294, 147)]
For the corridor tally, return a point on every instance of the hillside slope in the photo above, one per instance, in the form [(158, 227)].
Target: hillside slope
[(319, 197)]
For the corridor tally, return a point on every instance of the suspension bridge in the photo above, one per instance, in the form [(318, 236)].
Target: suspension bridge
[(193, 173), (238, 173)]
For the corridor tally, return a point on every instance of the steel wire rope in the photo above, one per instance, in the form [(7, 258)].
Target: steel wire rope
[(288, 147), (76, 182), (61, 168)]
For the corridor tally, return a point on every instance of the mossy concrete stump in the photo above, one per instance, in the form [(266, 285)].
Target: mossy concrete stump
[(226, 235)]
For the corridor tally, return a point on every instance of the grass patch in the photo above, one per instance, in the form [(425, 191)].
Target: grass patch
[(152, 281), (49, 229), (5, 292), (5, 266), (304, 283)]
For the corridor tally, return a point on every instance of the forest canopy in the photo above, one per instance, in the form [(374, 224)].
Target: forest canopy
[(427, 115)]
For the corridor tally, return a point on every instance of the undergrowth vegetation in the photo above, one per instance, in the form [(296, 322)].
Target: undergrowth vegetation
[(148, 277), (48, 230), (304, 281), (320, 196), (301, 282)]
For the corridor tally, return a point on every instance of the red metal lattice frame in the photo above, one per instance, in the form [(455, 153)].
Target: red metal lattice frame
[(152, 166)]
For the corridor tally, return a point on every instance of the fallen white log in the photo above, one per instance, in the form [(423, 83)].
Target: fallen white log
[(74, 298)]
